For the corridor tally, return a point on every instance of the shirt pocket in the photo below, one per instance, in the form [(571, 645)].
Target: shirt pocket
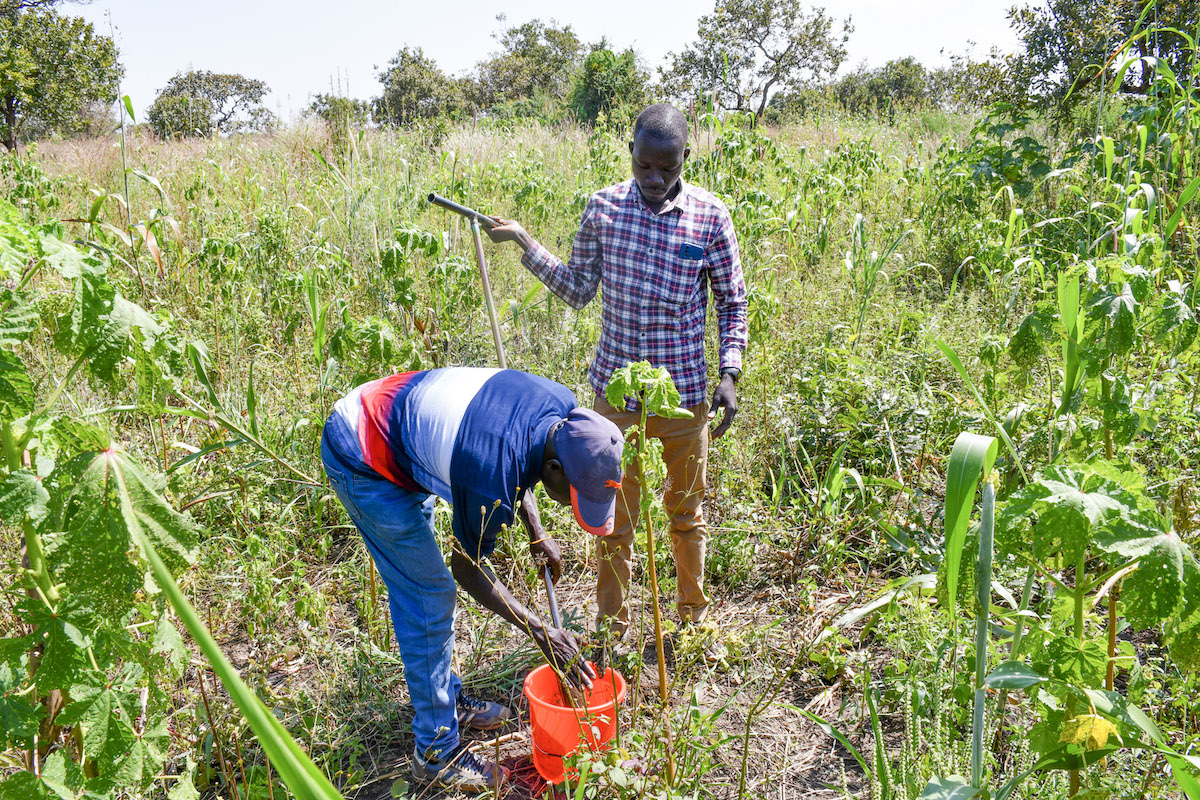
[(677, 283)]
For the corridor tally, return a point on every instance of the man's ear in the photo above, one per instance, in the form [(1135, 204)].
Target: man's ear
[(631, 147), (687, 151), (551, 467)]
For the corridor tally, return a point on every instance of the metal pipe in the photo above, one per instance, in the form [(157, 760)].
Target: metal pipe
[(483, 219), (487, 290)]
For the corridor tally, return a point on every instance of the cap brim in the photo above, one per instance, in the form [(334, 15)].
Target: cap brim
[(595, 518)]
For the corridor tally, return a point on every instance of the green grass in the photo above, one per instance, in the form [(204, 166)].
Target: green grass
[(273, 245)]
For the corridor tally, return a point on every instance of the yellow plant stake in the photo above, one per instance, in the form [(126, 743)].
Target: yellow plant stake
[(655, 393)]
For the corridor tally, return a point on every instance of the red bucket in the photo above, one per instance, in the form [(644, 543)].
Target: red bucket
[(558, 729)]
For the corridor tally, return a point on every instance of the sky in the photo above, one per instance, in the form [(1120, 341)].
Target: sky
[(302, 47)]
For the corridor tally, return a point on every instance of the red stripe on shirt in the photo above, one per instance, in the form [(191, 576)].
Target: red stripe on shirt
[(373, 429)]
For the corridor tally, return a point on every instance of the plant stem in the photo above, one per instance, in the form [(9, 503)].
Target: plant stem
[(656, 605), (1110, 676), (1080, 595), (37, 563), (984, 582)]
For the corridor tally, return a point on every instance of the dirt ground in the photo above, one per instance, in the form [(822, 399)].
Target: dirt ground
[(788, 756)]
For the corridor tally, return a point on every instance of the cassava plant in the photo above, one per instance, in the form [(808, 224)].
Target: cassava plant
[(652, 389), (87, 680)]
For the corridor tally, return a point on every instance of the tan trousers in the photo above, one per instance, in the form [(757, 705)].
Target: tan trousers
[(685, 453)]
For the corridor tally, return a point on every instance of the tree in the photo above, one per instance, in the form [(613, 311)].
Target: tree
[(609, 84), (537, 60), (1067, 41), (340, 115), (415, 88), (900, 83), (198, 102), (977, 83), (53, 69), (747, 48)]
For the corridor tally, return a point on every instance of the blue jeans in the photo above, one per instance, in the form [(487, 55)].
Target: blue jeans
[(397, 527)]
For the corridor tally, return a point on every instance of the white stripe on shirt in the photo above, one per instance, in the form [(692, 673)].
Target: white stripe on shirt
[(433, 414)]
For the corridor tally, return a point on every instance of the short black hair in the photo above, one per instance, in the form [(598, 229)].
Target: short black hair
[(663, 120)]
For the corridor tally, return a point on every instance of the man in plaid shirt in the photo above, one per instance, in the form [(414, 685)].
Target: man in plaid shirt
[(656, 244)]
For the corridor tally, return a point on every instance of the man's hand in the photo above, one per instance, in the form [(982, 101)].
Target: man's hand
[(545, 550), (724, 397), (564, 651), (509, 230)]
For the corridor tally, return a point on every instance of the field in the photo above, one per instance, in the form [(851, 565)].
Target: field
[(909, 281)]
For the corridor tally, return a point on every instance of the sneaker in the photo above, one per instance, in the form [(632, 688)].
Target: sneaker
[(459, 769), (480, 715)]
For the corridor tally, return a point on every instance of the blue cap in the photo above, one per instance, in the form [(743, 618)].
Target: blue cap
[(589, 448)]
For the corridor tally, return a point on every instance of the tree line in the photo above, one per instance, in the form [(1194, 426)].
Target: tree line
[(771, 58)]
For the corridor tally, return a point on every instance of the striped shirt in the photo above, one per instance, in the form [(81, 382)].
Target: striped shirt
[(474, 437), (655, 270)]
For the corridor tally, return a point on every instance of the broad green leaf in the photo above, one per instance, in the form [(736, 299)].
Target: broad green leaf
[(21, 494), (1027, 344), (18, 318), (73, 435), (1013, 675), (1184, 773), (1184, 637), (19, 716), (108, 715), (1185, 197), (91, 295), (169, 644), (185, 783), (19, 247), (646, 384), (1071, 661), (1153, 591), (27, 786), (126, 324), (61, 633), (100, 498), (951, 788), (1072, 506), (1119, 310), (1175, 321), (971, 459), (16, 387)]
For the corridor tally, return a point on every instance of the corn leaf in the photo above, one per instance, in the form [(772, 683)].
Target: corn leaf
[(971, 459), (951, 788), (1184, 198), (1013, 675), (302, 777)]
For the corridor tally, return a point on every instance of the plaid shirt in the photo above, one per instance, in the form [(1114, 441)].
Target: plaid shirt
[(655, 269)]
